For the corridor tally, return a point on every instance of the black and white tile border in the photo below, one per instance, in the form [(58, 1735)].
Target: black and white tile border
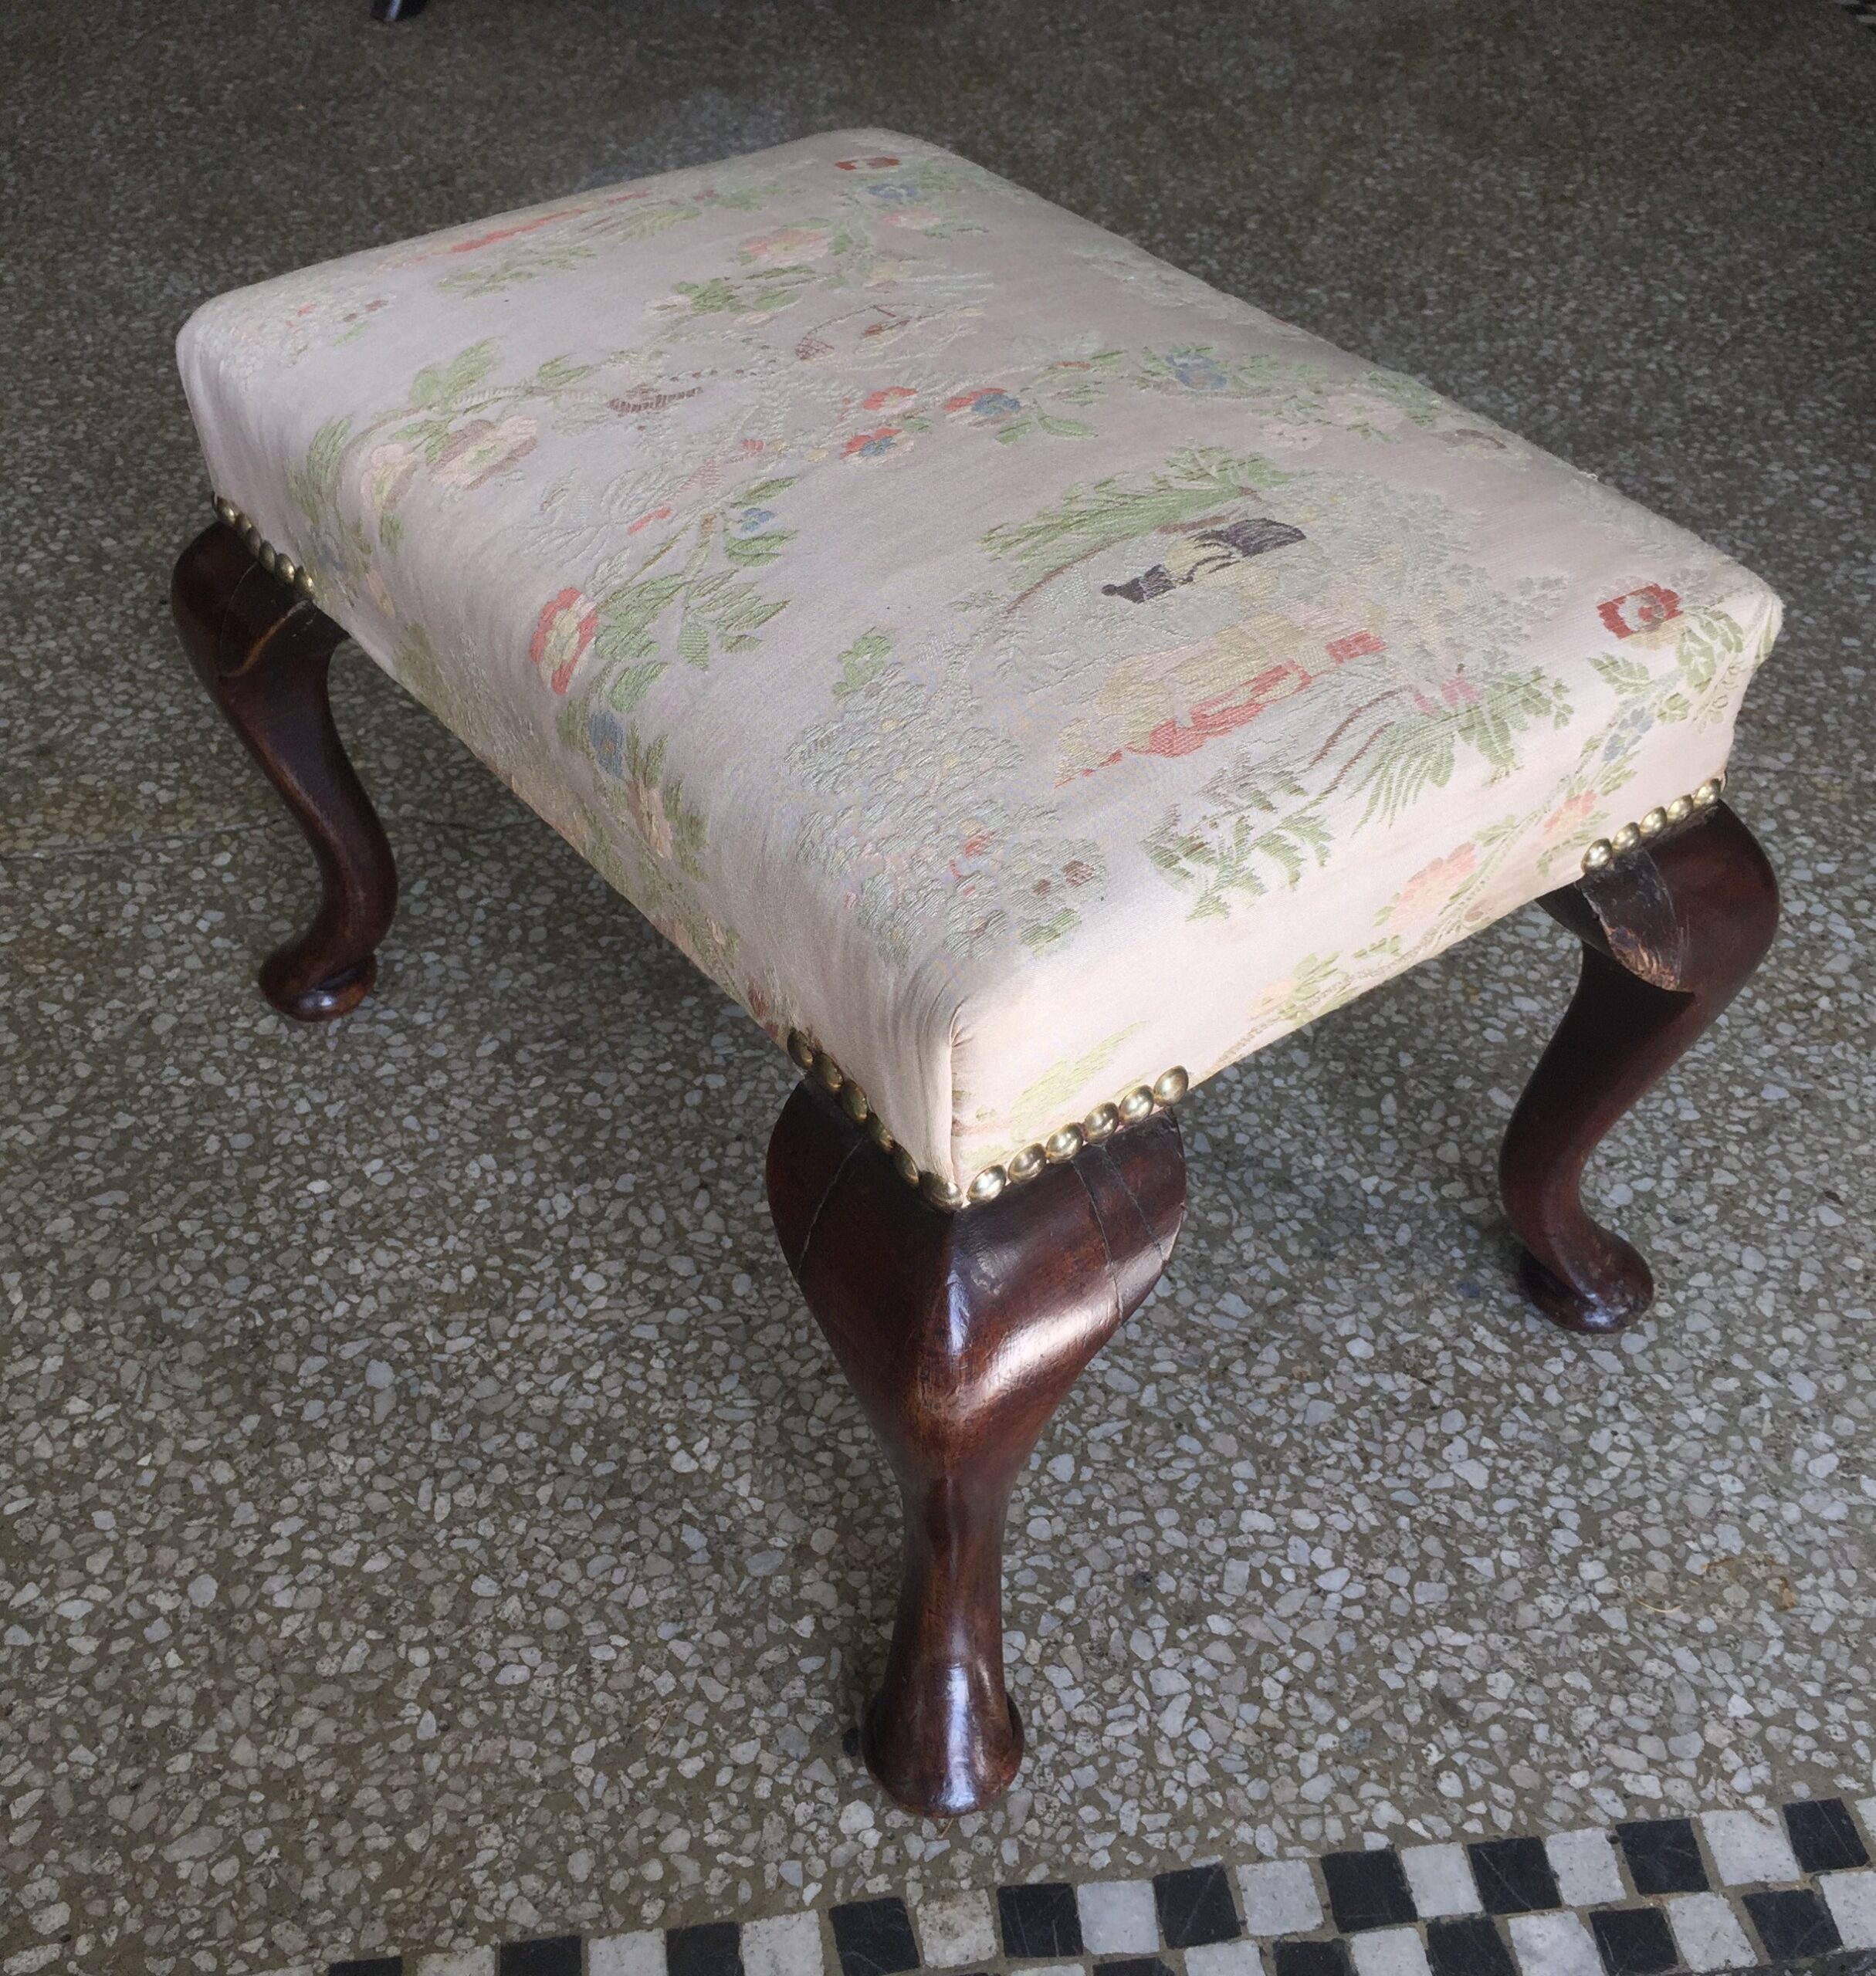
[(1722, 1891)]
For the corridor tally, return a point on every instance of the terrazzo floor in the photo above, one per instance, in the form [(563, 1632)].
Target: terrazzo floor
[(428, 1516)]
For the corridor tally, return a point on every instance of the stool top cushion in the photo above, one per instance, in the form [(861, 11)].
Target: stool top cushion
[(979, 645)]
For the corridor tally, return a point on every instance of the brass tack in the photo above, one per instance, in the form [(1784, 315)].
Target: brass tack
[(252, 536), (1060, 1147), (827, 1072), (285, 568), (1026, 1165), (877, 1132), (988, 1184), (1598, 854), (1171, 1085), (1653, 824), (304, 584), (1625, 839), (1680, 809), (800, 1050), (1708, 794), (1100, 1124), (908, 1166), (226, 513), (1136, 1104), (853, 1102), (939, 1192), (267, 557)]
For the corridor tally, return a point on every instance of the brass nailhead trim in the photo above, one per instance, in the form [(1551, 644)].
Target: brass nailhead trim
[(1619, 843), (1057, 1149), (276, 562)]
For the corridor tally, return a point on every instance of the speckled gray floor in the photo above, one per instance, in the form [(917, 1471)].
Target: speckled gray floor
[(426, 1512)]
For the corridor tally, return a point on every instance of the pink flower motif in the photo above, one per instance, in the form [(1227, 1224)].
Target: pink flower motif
[(662, 514), (1639, 610), (788, 244), (893, 394), (1567, 817), (870, 445), (1429, 888), (387, 472), (480, 450), (562, 634), (1357, 645)]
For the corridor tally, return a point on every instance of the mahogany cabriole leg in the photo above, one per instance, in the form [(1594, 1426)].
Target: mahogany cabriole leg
[(264, 651), (1670, 933), (962, 1334)]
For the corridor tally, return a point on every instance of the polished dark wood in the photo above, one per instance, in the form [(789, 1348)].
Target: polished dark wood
[(962, 1334), (1670, 933), (264, 651)]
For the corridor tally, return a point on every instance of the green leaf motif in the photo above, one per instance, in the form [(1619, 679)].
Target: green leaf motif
[(1089, 519), (1622, 675), (1040, 1106), (519, 264), (441, 387), (626, 616), (749, 552), (558, 372), (1051, 929), (1399, 761), (627, 687), (863, 662), (693, 642), (1233, 853)]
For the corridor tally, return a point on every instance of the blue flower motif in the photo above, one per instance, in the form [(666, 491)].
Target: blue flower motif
[(1627, 732), (606, 735), (895, 191), (995, 405), (1198, 371), (751, 520)]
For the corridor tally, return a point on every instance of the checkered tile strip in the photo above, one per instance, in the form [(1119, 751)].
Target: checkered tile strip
[(1724, 1890)]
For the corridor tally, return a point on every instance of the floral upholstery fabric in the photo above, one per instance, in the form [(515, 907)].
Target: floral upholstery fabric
[(975, 643)]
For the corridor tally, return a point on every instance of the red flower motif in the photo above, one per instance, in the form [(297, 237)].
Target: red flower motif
[(1357, 645), (878, 401), (864, 163), (510, 232), (562, 634), (1639, 610)]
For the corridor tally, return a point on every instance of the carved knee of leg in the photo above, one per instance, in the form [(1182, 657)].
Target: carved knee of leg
[(1671, 931)]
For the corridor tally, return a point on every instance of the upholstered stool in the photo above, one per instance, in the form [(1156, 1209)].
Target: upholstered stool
[(1025, 679)]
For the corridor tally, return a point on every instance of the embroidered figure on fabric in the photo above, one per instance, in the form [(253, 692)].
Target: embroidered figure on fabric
[(1205, 556), (1221, 682)]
